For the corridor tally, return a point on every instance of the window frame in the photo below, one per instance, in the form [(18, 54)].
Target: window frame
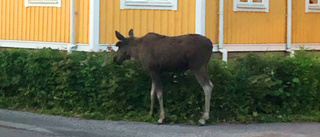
[(312, 7), (42, 4), (250, 6), (149, 4)]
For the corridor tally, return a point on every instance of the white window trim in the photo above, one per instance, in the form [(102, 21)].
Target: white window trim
[(149, 4), (250, 6), (312, 7), (42, 4)]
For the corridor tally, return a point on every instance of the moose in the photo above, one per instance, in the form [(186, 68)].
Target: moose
[(158, 53)]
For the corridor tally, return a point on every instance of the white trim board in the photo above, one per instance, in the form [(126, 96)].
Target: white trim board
[(254, 47), (289, 24), (221, 24), (307, 46), (266, 47), (200, 17), (86, 47), (33, 44), (52, 45), (94, 25)]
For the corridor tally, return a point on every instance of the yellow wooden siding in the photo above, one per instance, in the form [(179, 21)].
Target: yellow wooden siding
[(18, 22), (49, 24), (305, 26), (256, 27), (168, 22), (247, 27), (212, 20), (82, 21)]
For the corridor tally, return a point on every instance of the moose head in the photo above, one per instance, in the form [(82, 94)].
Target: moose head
[(124, 45)]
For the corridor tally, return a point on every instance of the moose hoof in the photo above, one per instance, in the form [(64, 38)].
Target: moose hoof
[(160, 121), (201, 122)]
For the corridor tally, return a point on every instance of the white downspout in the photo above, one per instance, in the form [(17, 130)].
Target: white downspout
[(289, 28), (221, 33), (72, 44), (94, 25), (201, 17)]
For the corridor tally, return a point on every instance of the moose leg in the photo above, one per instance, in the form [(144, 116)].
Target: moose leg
[(157, 88), (160, 98), (203, 79), (152, 97)]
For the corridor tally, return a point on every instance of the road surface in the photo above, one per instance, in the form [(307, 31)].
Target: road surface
[(24, 124)]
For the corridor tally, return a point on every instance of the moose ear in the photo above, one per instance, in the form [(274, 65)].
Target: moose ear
[(131, 33), (120, 36)]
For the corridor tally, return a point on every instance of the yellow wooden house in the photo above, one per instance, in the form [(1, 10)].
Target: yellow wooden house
[(233, 25)]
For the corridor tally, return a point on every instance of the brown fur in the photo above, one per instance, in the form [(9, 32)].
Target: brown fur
[(159, 53)]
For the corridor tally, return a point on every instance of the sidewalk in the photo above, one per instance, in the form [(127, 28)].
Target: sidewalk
[(25, 124)]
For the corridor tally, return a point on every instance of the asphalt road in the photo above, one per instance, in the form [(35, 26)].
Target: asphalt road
[(23, 124)]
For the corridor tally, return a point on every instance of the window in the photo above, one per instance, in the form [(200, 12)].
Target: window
[(251, 5), (48, 3), (312, 5), (149, 4)]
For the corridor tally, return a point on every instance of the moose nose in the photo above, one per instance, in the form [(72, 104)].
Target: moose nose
[(114, 59)]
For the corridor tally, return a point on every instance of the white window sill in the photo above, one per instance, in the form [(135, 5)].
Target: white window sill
[(160, 7), (251, 7), (146, 5), (42, 4), (149, 5), (313, 8)]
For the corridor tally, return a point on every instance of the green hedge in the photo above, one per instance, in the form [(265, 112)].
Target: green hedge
[(254, 88)]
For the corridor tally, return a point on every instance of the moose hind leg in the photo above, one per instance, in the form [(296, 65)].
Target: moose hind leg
[(203, 79), (160, 98), (157, 89)]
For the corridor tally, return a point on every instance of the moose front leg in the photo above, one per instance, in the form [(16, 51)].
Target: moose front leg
[(157, 89), (152, 94)]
